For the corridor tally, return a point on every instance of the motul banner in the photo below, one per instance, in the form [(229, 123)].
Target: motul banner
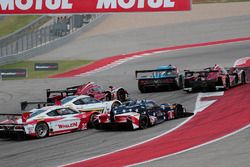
[(90, 6)]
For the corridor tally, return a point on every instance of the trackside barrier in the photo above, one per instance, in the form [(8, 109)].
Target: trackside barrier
[(49, 36)]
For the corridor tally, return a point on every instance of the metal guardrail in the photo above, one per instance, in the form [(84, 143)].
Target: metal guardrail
[(27, 44)]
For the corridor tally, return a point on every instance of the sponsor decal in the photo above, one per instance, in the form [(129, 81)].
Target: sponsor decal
[(13, 73), (90, 6), (45, 66), (65, 126)]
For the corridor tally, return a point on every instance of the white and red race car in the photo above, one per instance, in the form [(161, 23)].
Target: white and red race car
[(83, 103), (42, 122)]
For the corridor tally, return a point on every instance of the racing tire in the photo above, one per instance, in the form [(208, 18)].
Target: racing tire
[(91, 123), (121, 95), (143, 121), (142, 89), (41, 130), (243, 78), (115, 104), (180, 85), (178, 111), (227, 83), (108, 96)]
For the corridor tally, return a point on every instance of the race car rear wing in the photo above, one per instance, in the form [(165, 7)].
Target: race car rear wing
[(73, 88), (150, 73), (200, 71), (24, 104), (59, 93), (67, 92)]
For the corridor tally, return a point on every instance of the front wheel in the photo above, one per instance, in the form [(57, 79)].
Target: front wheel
[(121, 95), (41, 130), (143, 122)]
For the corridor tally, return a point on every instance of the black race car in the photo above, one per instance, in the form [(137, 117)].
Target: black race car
[(163, 77)]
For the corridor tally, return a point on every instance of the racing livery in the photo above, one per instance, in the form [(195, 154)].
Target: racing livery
[(90, 89), (82, 103), (139, 114), (166, 77), (43, 122), (213, 78)]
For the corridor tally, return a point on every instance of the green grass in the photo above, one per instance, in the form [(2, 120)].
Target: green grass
[(10, 24), (29, 65), (217, 1)]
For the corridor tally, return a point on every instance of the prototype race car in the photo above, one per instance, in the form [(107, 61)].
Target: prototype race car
[(83, 103), (139, 114), (166, 77), (213, 78), (42, 122), (90, 89)]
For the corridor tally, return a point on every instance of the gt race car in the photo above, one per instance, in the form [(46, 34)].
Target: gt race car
[(213, 78), (139, 114), (82, 103), (166, 77), (91, 89), (43, 122)]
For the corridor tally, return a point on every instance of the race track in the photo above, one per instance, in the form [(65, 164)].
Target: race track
[(63, 149)]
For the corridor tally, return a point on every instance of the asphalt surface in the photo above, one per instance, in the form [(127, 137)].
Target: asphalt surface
[(126, 41), (58, 150), (62, 149)]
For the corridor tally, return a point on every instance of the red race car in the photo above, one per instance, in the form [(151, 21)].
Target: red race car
[(214, 78), (91, 89)]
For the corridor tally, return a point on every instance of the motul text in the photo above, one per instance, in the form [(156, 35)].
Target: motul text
[(90, 6)]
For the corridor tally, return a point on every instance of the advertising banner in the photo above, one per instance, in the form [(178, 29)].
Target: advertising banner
[(45, 66), (13, 73), (90, 6)]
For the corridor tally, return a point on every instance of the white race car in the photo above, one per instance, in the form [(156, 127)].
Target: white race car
[(93, 107), (82, 103), (42, 122)]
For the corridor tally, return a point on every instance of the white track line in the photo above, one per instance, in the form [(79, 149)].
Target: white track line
[(192, 148)]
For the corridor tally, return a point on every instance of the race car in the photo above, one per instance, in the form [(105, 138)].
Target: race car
[(91, 89), (213, 78), (83, 103), (163, 77), (43, 122), (139, 114)]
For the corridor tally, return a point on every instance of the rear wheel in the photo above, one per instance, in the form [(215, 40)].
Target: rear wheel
[(91, 123), (180, 85), (41, 130), (227, 83), (142, 89), (243, 78), (143, 122), (178, 111)]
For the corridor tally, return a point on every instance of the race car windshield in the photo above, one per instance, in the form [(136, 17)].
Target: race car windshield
[(37, 112), (67, 99)]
